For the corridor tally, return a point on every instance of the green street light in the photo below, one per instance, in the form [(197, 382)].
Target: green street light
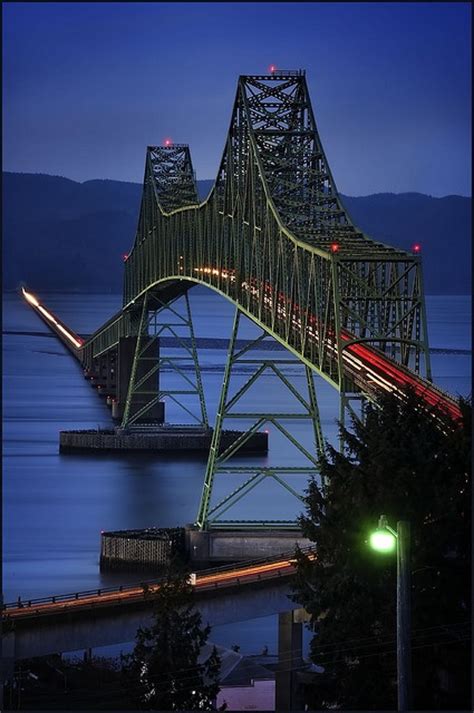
[(385, 540)]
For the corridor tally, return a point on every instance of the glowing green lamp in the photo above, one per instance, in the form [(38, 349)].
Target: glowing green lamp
[(384, 539)]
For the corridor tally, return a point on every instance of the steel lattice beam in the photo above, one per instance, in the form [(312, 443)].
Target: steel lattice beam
[(274, 238), (159, 318), (209, 513)]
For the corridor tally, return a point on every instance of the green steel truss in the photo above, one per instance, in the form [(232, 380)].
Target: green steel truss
[(209, 515), (171, 172), (158, 319), (274, 237)]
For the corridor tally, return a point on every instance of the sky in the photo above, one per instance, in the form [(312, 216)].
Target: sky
[(87, 86)]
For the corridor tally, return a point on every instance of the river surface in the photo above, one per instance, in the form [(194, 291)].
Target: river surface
[(54, 506)]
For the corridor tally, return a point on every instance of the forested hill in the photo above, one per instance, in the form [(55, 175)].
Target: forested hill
[(62, 235)]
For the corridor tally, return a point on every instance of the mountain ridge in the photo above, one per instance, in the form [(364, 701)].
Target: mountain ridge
[(100, 216), (211, 181)]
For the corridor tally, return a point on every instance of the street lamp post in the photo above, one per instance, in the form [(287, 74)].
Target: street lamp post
[(384, 540), (403, 615)]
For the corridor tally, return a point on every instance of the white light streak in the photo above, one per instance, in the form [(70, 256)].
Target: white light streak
[(47, 315)]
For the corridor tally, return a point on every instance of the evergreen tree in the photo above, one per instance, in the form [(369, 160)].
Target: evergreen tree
[(163, 672), (407, 465)]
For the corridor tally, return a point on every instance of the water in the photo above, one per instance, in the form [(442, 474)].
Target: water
[(56, 505)]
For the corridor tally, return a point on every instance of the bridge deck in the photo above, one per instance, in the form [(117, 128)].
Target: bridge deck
[(370, 370), (240, 575)]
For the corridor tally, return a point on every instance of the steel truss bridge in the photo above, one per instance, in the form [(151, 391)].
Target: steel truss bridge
[(274, 238)]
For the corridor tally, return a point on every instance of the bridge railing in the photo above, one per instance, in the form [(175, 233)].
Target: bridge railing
[(98, 592), (110, 334), (290, 555), (71, 596)]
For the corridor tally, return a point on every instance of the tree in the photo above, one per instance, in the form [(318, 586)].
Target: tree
[(407, 464), (163, 672)]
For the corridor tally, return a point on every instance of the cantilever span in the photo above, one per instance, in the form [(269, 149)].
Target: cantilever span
[(275, 239)]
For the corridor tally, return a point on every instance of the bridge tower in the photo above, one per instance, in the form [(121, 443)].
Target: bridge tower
[(275, 239)]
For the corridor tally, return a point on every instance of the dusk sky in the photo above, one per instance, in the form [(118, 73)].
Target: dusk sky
[(87, 86)]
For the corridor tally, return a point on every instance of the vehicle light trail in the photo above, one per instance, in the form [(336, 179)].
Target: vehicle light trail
[(367, 366), (245, 574), (73, 338)]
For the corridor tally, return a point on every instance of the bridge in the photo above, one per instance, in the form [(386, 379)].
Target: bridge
[(109, 616), (274, 238)]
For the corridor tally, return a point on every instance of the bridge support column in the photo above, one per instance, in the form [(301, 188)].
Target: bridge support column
[(290, 658), (214, 547), (252, 475), (103, 371), (144, 392), (144, 403), (95, 374), (111, 376), (125, 351), (104, 377)]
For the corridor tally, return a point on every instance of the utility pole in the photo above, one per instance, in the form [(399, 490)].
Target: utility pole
[(403, 616), (385, 540)]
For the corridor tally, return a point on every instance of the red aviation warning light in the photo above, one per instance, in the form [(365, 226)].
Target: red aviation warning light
[(125, 257), (416, 248), (334, 247), (272, 69), (167, 142)]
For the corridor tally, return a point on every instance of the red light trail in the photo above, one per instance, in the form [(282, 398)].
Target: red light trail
[(367, 365)]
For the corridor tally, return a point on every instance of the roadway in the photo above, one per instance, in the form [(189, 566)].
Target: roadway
[(91, 619), (371, 370), (206, 580)]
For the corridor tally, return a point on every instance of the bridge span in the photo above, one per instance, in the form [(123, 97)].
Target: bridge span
[(105, 617), (275, 239)]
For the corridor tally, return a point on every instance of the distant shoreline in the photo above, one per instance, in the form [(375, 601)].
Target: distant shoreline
[(209, 182), (74, 235)]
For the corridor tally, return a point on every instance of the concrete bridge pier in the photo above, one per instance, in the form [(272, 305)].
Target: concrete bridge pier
[(111, 373), (97, 373), (106, 381), (213, 547), (125, 355)]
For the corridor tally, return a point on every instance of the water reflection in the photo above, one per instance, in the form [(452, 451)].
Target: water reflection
[(56, 505)]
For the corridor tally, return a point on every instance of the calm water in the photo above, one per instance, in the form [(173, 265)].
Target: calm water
[(56, 505)]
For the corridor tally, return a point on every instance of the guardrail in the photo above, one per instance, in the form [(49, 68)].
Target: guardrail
[(85, 594), (110, 333)]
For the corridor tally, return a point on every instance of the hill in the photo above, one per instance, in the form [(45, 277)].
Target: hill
[(442, 226), (62, 235)]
